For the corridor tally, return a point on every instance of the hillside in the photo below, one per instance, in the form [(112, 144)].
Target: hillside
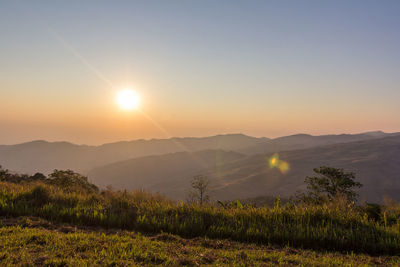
[(48, 222), (376, 163), (231, 161), (303, 141), (42, 156), (169, 173)]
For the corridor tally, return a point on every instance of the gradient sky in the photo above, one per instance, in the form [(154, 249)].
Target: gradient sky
[(262, 68)]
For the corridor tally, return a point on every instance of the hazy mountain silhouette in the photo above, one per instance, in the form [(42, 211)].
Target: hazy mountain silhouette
[(170, 172), (300, 141), (45, 156), (376, 163)]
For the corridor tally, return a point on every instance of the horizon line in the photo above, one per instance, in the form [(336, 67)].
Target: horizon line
[(194, 137)]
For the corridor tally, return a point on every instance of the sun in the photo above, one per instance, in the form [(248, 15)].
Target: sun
[(128, 99)]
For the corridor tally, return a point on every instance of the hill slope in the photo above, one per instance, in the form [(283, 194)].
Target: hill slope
[(42, 156), (302, 141), (169, 173), (376, 163)]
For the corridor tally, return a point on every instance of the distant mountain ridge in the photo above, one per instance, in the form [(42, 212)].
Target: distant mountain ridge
[(160, 173), (301, 141), (376, 163), (43, 156)]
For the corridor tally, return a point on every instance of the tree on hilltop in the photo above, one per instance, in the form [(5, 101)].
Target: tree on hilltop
[(331, 183)]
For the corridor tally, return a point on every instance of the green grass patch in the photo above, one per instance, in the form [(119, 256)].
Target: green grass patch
[(317, 227), (37, 246)]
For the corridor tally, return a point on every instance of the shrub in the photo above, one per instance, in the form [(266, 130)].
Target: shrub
[(71, 181), (373, 211)]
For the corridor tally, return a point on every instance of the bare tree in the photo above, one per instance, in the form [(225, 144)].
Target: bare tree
[(201, 189)]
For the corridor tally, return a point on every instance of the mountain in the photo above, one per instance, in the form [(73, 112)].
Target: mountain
[(301, 141), (236, 176), (42, 156), (236, 163), (169, 173), (376, 163)]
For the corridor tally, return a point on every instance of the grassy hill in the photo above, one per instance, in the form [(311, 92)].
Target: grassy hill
[(55, 222), (333, 227)]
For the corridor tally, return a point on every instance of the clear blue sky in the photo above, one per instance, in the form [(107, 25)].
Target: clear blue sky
[(264, 68)]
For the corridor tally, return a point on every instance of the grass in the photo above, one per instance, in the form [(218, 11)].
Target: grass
[(32, 242), (334, 228)]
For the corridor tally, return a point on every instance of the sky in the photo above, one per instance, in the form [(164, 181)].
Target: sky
[(262, 68)]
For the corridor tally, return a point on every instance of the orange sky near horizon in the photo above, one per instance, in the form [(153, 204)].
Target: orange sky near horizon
[(102, 121)]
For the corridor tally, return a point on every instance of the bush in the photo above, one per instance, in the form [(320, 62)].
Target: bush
[(373, 211), (71, 181)]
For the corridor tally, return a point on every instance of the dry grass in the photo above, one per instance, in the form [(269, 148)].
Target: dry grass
[(30, 241)]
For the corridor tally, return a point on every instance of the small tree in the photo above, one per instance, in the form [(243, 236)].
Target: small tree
[(4, 174), (330, 183), (201, 190), (38, 177)]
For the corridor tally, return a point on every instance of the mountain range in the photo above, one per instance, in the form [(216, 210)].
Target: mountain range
[(236, 164)]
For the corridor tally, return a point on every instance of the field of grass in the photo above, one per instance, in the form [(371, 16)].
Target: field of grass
[(333, 228), (32, 241)]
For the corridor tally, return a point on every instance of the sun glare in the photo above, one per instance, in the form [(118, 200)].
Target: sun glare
[(275, 162), (128, 99)]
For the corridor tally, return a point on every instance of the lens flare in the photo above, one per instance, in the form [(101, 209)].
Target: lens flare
[(283, 167), (275, 162)]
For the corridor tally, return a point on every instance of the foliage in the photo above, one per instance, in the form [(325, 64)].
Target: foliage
[(5, 175), (67, 180), (331, 226), (330, 183), (373, 211), (262, 201), (71, 181), (390, 212), (234, 204), (201, 190)]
